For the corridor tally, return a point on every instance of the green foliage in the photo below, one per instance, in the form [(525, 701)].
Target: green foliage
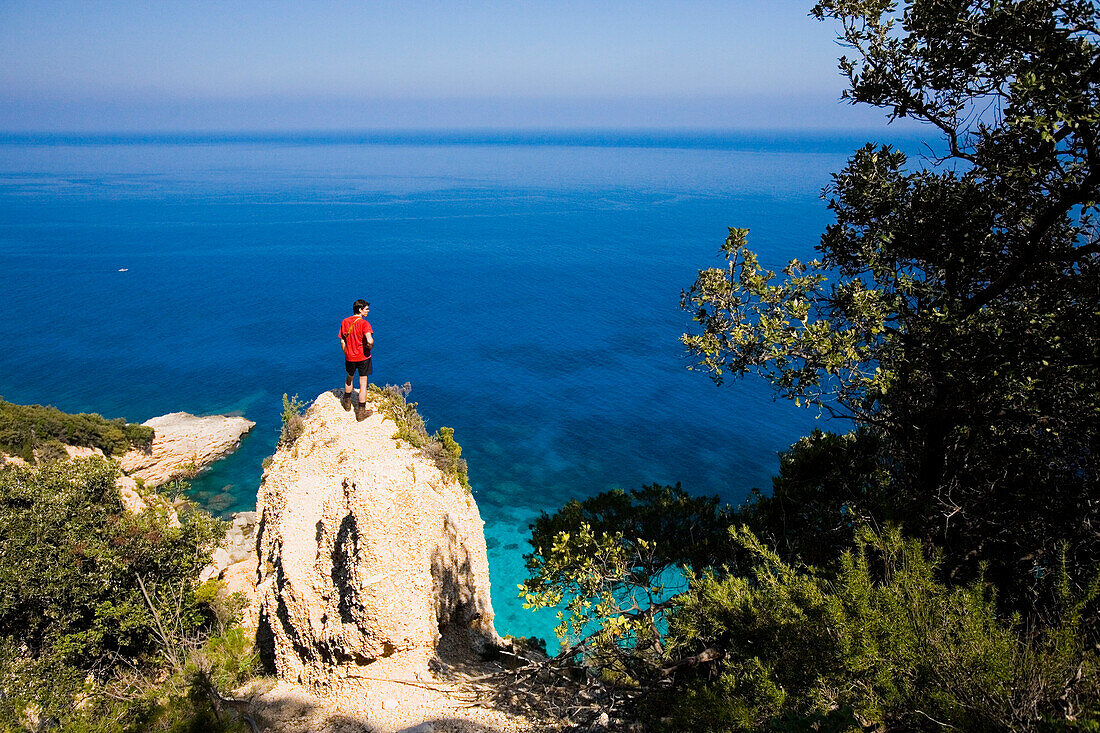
[(82, 581), (953, 309), (827, 486), (292, 419), (187, 700), (751, 642), (191, 698), (613, 561), (441, 446), (447, 454), (953, 314), (230, 659), (51, 451), (25, 428), (409, 423), (881, 642), (679, 529)]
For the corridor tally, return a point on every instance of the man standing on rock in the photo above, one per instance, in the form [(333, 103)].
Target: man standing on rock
[(357, 339)]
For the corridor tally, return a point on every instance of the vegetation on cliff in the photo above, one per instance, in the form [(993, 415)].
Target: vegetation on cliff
[(953, 316), (740, 638), (440, 446), (103, 624), (25, 429), (293, 407)]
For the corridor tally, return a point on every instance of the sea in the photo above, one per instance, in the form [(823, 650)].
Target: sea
[(526, 284)]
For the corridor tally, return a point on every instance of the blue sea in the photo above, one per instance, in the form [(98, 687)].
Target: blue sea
[(526, 284)]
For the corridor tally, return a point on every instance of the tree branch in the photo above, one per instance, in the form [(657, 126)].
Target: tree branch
[(710, 654), (1015, 270)]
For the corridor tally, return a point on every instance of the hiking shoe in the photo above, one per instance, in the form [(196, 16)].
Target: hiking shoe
[(362, 412), (346, 401)]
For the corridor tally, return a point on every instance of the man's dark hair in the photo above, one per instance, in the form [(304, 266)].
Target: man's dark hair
[(358, 305)]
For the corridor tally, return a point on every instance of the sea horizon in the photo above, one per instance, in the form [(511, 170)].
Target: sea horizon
[(702, 138)]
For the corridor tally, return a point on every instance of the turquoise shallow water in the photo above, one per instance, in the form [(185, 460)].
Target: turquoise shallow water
[(528, 289)]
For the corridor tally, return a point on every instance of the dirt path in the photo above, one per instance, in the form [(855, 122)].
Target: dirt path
[(389, 699)]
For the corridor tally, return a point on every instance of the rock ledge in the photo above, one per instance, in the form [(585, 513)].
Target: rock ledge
[(184, 444)]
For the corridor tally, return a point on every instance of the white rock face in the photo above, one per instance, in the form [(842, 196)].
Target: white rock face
[(238, 548), (184, 444), (82, 451), (367, 551)]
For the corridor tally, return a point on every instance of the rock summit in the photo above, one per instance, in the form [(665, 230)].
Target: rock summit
[(371, 559)]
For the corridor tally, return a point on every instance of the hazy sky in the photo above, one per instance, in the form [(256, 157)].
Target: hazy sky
[(116, 65)]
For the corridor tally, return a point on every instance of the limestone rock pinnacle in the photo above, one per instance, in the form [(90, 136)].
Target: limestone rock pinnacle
[(368, 553)]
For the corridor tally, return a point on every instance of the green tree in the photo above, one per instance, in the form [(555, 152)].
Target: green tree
[(27, 428), (877, 641), (953, 316), (828, 486), (87, 588), (954, 309), (613, 561)]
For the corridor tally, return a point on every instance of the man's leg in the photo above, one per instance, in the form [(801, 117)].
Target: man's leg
[(345, 401), (361, 410)]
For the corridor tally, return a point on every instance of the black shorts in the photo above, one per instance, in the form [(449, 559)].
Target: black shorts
[(363, 367)]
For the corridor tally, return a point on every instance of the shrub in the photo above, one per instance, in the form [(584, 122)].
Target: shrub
[(882, 642), (82, 582), (292, 419), (410, 425), (191, 698), (740, 639), (24, 428), (828, 485), (51, 451), (447, 454), (441, 446)]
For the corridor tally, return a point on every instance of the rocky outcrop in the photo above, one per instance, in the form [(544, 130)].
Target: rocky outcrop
[(82, 451), (233, 562), (238, 545), (367, 553), (137, 499), (184, 444)]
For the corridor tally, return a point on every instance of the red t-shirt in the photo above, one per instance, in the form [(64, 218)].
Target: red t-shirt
[(353, 329)]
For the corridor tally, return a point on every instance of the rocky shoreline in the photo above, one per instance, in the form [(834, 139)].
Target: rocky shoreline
[(184, 444)]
